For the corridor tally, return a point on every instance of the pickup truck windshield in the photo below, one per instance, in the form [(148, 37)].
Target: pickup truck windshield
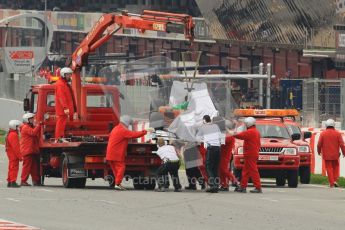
[(272, 131), (293, 129)]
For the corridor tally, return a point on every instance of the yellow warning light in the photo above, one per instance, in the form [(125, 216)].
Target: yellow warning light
[(53, 78), (86, 79), (95, 79), (266, 112)]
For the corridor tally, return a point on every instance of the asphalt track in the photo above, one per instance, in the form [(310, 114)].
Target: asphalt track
[(96, 207)]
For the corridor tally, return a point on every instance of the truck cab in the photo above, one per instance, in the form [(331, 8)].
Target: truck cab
[(278, 155), (83, 156)]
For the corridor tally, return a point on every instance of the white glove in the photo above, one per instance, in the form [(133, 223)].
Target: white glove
[(150, 130), (46, 116), (75, 116)]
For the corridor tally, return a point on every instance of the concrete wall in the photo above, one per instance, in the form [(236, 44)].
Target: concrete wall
[(9, 110)]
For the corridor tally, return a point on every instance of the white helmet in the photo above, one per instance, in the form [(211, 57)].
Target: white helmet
[(126, 120), (64, 71), (330, 123), (249, 121), (13, 124), (27, 116), (229, 124)]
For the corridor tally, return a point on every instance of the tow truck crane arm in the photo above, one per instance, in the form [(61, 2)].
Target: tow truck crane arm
[(149, 20)]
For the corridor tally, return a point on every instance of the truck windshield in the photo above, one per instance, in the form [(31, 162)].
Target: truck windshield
[(100, 100), (272, 131), (293, 129)]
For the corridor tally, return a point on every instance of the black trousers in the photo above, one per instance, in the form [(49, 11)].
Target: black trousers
[(193, 176), (172, 169), (212, 164)]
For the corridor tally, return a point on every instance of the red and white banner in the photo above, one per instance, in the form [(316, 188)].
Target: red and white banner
[(21, 59), (17, 58)]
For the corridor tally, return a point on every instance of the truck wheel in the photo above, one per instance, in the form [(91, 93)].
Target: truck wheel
[(292, 177), (280, 180), (79, 182), (70, 182), (67, 182), (150, 183), (304, 173), (238, 174), (138, 183)]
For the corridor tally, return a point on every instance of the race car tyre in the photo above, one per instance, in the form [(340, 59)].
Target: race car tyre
[(292, 178), (138, 183), (304, 173), (150, 183)]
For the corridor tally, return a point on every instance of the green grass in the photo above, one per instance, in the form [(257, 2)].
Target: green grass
[(2, 137), (319, 179)]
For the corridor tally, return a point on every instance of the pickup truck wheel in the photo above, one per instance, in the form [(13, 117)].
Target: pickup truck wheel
[(238, 174), (304, 173), (292, 177), (138, 183), (70, 182), (280, 180), (150, 183)]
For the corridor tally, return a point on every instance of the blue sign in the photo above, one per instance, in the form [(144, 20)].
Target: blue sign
[(291, 93)]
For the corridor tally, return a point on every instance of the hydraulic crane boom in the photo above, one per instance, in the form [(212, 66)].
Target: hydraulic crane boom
[(149, 20)]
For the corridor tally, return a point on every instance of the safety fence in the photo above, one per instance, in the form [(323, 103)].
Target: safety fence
[(321, 101), (16, 86)]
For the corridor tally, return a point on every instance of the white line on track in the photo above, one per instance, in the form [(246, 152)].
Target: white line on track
[(292, 199), (268, 199), (105, 201), (44, 190), (12, 199)]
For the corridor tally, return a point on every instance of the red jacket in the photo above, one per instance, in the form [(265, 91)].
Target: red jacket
[(226, 150), (118, 141), (329, 143), (29, 139), (12, 145), (63, 98), (203, 152), (251, 145)]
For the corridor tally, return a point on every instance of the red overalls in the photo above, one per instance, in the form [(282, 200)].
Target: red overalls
[(224, 173), (63, 100), (251, 148), (13, 154), (330, 142), (29, 149), (117, 149)]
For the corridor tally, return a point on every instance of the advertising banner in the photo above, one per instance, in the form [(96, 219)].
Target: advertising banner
[(21, 59)]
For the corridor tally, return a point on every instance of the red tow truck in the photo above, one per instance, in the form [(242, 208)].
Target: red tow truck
[(98, 112), (279, 156)]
